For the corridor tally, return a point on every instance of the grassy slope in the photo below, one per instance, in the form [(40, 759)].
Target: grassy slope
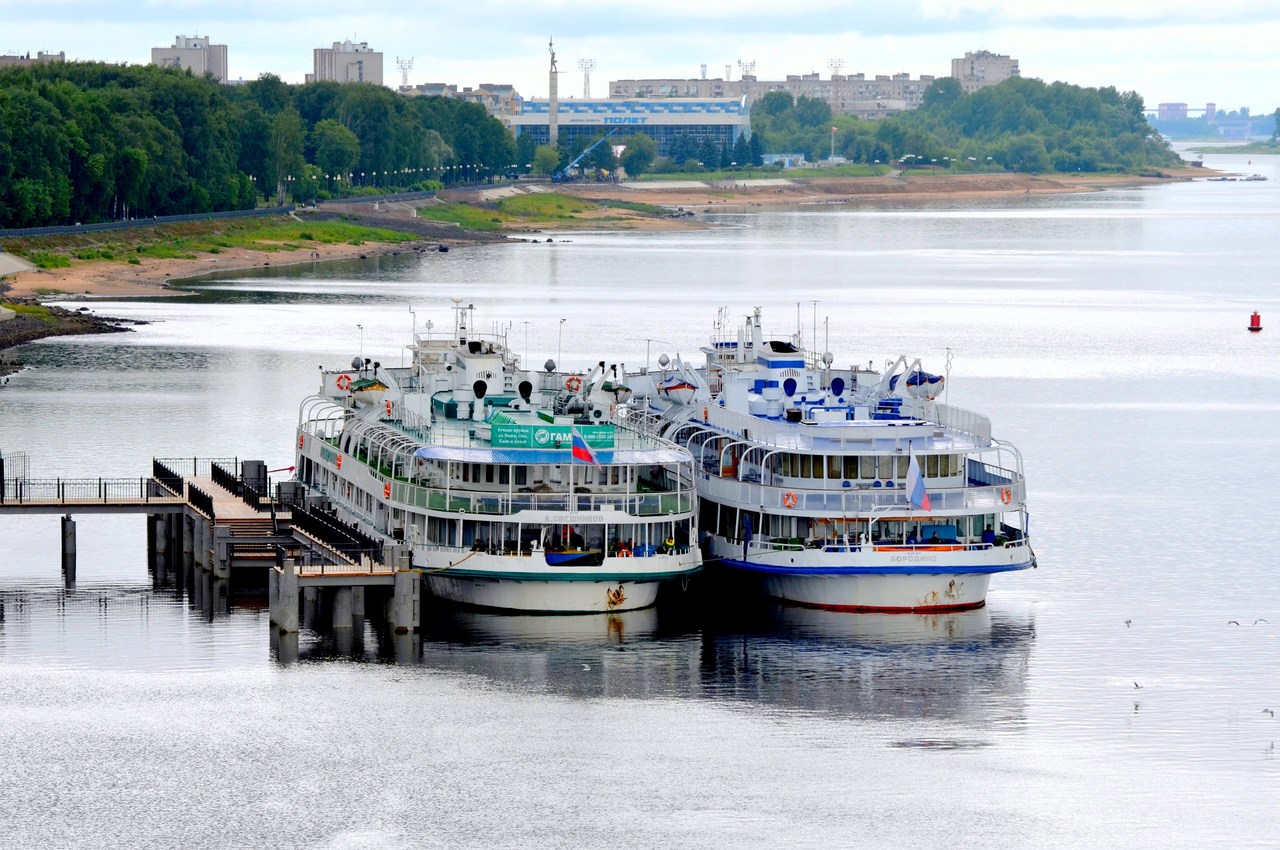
[(188, 239)]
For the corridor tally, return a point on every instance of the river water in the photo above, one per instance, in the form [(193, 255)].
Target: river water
[(1105, 699)]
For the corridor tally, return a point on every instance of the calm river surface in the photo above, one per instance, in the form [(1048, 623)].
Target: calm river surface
[(1105, 336)]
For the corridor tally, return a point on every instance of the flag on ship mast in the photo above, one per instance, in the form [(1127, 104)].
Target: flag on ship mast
[(581, 451), (916, 493)]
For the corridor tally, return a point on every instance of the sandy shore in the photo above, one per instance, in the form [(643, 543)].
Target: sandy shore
[(114, 279), (897, 188)]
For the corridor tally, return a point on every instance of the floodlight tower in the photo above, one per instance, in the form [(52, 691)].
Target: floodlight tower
[(405, 66), (704, 70), (836, 66), (586, 66), (747, 69)]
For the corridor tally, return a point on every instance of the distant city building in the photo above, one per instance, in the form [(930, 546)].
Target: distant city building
[(347, 62), (40, 58), (501, 100), (195, 54), (847, 94), (722, 120), (429, 90), (1172, 112), (1211, 112), (983, 68)]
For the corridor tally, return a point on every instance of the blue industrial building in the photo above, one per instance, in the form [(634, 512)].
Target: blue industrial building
[(722, 120)]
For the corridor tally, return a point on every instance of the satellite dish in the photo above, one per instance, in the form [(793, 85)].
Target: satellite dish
[(356, 362), (663, 360)]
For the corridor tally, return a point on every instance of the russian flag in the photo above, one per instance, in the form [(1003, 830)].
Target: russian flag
[(916, 493), (581, 451)]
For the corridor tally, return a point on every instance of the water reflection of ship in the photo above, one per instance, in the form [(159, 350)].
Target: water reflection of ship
[(967, 665)]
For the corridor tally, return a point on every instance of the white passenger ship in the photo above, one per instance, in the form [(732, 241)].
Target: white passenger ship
[(804, 471), (468, 459)]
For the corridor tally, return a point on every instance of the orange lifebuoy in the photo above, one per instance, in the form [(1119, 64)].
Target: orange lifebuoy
[(624, 553), (338, 463), (386, 490), (573, 383), (344, 381), (302, 439), (789, 499), (1006, 496)]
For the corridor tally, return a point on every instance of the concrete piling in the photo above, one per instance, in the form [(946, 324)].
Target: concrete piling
[(284, 611), (69, 550), (405, 601), (342, 608)]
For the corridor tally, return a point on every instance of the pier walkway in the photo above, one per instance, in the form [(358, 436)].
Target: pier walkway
[(212, 516)]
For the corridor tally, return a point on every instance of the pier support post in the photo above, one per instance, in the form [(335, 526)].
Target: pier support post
[(310, 603), (188, 537), (69, 550), (342, 608), (284, 596), (161, 538), (222, 552), (405, 601), (357, 604)]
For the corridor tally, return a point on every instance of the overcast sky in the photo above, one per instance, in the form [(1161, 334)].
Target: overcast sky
[(1190, 51)]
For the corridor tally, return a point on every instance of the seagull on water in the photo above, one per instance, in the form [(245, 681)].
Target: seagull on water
[(1268, 711), (1229, 622), (1261, 620), (1136, 685), (1128, 623)]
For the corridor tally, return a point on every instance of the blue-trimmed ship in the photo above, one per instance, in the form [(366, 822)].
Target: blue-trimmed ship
[(805, 472), (465, 458)]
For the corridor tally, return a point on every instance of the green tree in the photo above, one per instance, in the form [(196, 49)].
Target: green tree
[(287, 137), (742, 151), (639, 155), (545, 160), (337, 150)]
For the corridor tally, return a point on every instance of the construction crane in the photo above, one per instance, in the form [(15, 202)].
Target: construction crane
[(565, 175)]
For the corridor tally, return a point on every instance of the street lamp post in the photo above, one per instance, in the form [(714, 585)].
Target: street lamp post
[(361, 329), (559, 338)]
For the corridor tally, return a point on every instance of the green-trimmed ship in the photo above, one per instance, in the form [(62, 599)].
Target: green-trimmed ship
[(467, 459)]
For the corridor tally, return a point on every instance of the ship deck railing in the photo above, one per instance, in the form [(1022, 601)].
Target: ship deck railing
[(504, 504), (983, 499)]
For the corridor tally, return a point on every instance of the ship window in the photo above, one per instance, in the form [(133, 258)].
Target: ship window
[(931, 466), (868, 467), (504, 475), (522, 475), (488, 473), (903, 462), (806, 466), (833, 467), (851, 466)]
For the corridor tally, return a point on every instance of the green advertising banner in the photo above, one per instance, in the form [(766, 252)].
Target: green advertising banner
[(548, 436)]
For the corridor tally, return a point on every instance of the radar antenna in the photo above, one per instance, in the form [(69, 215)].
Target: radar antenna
[(405, 66), (586, 66), (836, 66)]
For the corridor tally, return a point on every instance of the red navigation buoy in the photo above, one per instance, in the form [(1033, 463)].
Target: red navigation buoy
[(1255, 322)]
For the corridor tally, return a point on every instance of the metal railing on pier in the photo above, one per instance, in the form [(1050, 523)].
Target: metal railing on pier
[(71, 491)]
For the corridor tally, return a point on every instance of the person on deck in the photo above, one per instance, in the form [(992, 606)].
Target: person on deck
[(988, 536)]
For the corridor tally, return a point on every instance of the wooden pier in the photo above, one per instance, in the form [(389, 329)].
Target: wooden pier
[(212, 517)]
